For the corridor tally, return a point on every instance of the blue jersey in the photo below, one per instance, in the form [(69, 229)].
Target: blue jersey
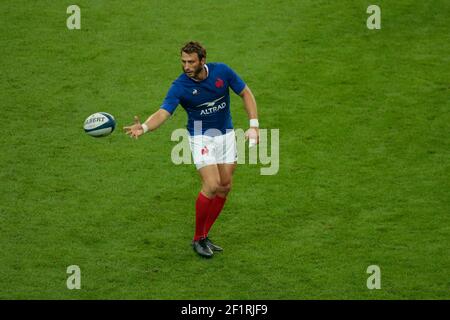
[(208, 100)]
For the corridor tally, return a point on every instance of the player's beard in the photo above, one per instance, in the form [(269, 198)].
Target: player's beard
[(195, 73)]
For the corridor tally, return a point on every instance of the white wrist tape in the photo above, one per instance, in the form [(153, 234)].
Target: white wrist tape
[(254, 123), (144, 127)]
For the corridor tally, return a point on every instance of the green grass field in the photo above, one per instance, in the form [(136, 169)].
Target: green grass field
[(364, 174)]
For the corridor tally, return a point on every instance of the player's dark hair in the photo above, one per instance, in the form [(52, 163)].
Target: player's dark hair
[(194, 46)]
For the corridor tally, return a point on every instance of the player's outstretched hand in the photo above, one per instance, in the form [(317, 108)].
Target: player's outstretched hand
[(135, 130), (253, 135)]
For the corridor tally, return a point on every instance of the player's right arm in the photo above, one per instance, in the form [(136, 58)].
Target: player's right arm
[(152, 123)]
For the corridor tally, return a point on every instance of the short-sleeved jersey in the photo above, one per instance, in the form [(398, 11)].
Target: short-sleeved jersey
[(208, 100)]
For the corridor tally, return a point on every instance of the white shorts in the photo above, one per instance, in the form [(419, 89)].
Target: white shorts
[(208, 150)]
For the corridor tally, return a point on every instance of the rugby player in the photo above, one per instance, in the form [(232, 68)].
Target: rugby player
[(203, 91)]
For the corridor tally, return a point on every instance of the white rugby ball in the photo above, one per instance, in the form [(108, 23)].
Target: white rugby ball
[(99, 124)]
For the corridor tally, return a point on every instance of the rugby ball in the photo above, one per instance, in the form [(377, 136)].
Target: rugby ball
[(99, 124)]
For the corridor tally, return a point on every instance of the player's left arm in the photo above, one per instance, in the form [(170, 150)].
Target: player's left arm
[(252, 111)]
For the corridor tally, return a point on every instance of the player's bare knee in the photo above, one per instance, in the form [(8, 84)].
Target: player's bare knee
[(211, 186), (225, 188)]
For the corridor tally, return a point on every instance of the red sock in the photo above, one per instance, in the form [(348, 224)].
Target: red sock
[(214, 211), (202, 207)]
